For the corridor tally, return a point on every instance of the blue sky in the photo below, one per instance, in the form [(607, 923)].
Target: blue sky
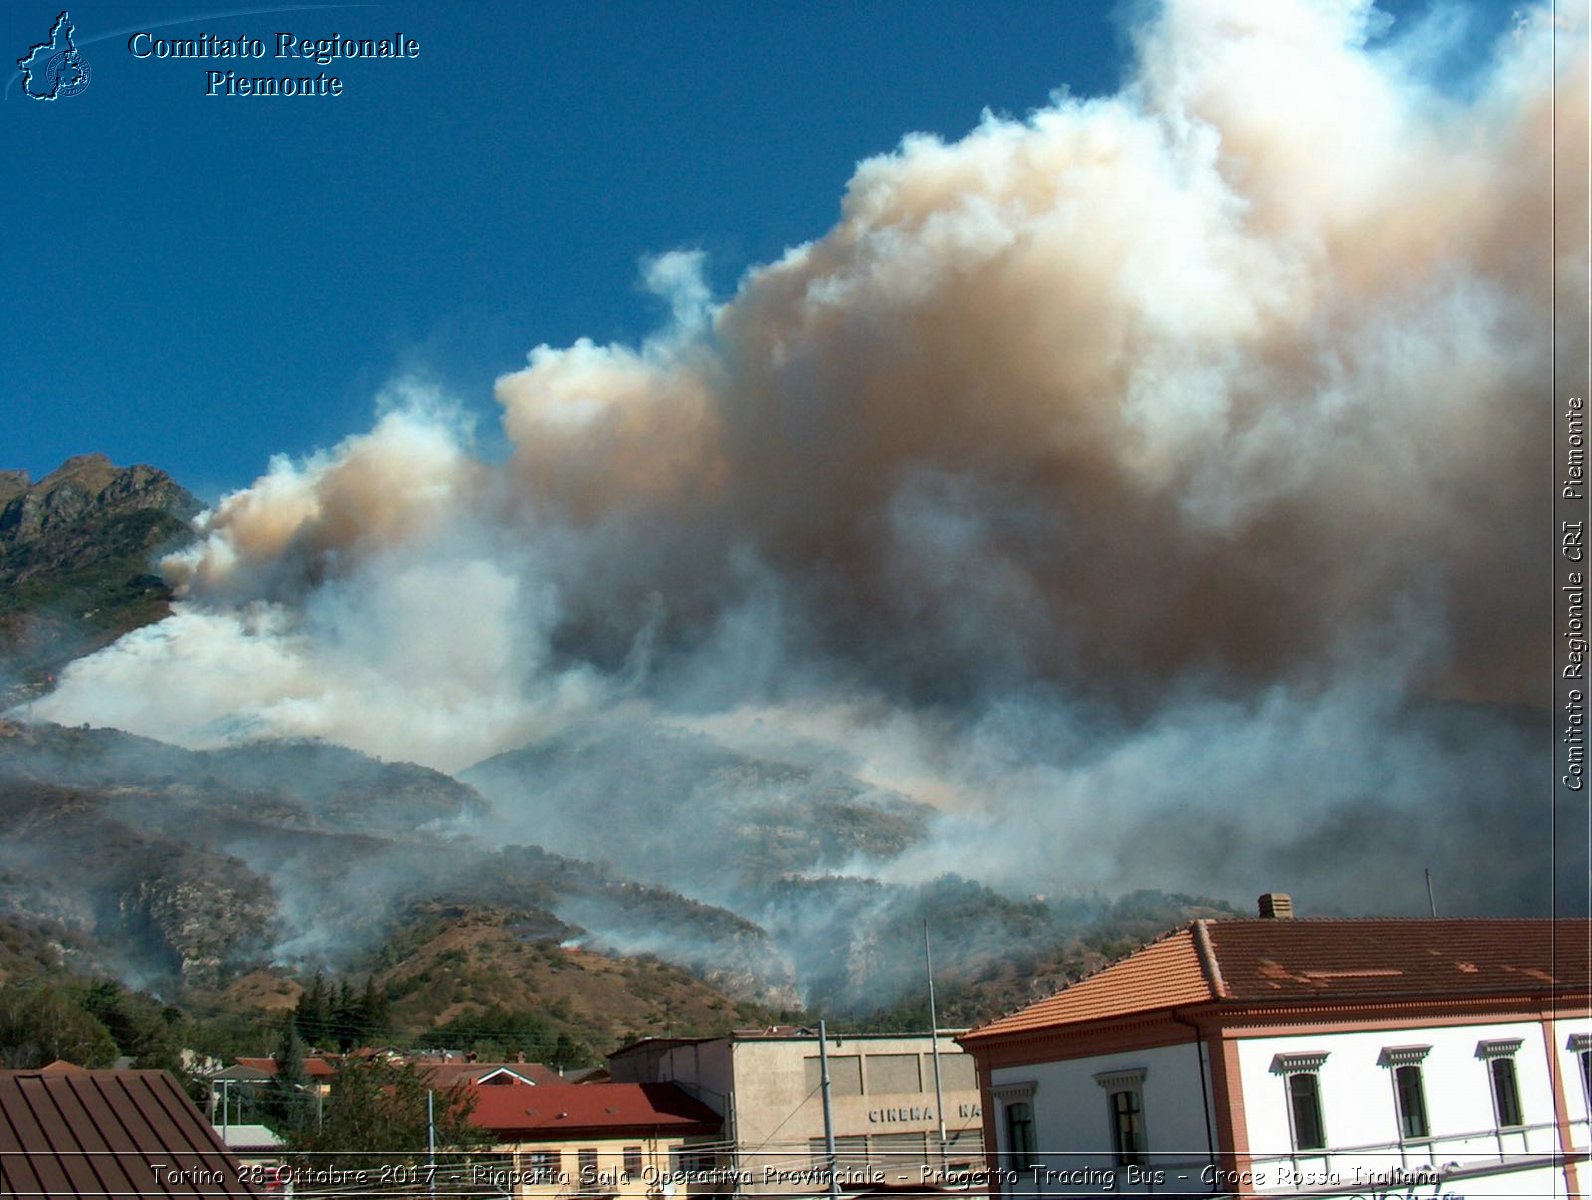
[(200, 282), (214, 280)]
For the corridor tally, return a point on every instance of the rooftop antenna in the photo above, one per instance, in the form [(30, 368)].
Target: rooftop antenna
[(1430, 901)]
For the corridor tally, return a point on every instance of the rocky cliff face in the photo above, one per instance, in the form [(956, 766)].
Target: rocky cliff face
[(76, 561), (88, 511), (152, 906), (12, 485)]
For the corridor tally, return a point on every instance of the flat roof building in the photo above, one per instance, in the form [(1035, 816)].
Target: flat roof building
[(888, 1115)]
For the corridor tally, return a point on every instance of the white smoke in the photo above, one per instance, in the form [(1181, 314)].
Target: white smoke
[(1093, 470)]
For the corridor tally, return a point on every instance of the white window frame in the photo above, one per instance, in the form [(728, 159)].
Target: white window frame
[(1580, 1045), (1491, 1051), (1399, 1058), (1006, 1095), (1286, 1066), (1130, 1081), (542, 1165)]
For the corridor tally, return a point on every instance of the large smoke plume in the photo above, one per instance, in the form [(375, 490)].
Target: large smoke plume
[(1155, 484)]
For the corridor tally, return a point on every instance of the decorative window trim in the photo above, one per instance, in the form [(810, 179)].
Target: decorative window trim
[(1403, 1056), (1501, 1070), (1293, 1064), (1490, 1048), (1012, 1098), (1128, 1080), (1125, 1098), (1012, 1093), (1290, 1104), (1580, 1045), (1412, 1109)]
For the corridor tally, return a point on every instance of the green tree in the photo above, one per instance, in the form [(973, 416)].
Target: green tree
[(501, 1033), (312, 1015), (346, 1018), (380, 1107), (288, 1104), (227, 1035), (40, 1024), (144, 1029), (567, 1053), (375, 1016)]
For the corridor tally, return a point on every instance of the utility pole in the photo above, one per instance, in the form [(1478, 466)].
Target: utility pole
[(934, 1041), (1431, 902), (829, 1116), (431, 1138)]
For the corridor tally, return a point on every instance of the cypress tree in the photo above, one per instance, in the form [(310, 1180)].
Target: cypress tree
[(286, 1103), (311, 1016), (375, 1019)]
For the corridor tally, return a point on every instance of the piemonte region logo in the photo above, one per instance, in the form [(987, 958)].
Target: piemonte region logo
[(54, 68)]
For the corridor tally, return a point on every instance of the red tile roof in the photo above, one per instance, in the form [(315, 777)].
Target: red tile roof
[(108, 1133), (446, 1074), (605, 1109), (314, 1068), (1163, 974), (1247, 962), (1403, 959)]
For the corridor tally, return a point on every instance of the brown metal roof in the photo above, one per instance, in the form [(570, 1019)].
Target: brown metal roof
[(1358, 961), (108, 1133)]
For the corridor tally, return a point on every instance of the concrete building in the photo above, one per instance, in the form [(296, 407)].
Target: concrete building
[(887, 1116), (1304, 1057)]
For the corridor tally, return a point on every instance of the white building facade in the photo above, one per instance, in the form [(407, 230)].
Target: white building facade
[(1324, 1058)]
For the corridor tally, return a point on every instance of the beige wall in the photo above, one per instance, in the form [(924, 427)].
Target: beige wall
[(630, 1167), (882, 1096)]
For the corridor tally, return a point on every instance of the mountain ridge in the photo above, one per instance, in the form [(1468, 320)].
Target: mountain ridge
[(77, 553), (620, 841)]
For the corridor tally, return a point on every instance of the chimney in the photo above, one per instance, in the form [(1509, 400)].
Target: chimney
[(1276, 906)]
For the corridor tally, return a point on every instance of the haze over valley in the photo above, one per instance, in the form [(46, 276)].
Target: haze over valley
[(1118, 511)]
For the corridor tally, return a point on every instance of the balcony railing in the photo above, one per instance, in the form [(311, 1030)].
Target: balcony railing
[(1442, 1155), (1369, 1170)]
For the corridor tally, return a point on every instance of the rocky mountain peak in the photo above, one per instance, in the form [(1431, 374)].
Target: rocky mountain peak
[(77, 552), (88, 489), (79, 466), (13, 483)]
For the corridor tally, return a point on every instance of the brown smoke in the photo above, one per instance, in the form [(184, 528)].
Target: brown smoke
[(1235, 373), (1233, 384)]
